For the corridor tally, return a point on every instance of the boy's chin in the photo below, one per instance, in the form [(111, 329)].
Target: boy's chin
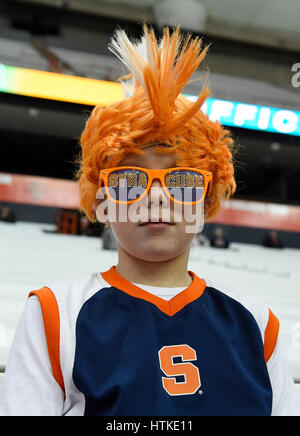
[(155, 257), (157, 254)]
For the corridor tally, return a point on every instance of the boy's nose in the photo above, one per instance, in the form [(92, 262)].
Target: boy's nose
[(156, 193)]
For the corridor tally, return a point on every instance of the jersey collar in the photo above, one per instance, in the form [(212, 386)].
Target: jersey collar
[(171, 307)]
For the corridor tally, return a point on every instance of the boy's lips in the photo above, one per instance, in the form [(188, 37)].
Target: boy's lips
[(156, 221), (156, 224)]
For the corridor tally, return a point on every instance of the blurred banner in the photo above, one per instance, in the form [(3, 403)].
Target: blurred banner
[(81, 90), (39, 191), (259, 215), (43, 191), (60, 87)]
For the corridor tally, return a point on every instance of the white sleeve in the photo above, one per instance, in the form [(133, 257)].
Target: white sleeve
[(29, 388), (286, 400)]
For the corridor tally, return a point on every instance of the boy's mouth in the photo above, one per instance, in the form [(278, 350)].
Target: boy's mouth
[(157, 224)]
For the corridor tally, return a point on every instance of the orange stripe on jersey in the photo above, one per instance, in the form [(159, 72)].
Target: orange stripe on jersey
[(271, 334), (178, 302), (52, 327)]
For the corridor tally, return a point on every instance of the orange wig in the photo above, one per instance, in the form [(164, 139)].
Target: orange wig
[(157, 113)]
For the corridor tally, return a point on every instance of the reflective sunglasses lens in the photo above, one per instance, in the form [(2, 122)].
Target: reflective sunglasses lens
[(185, 185), (128, 184)]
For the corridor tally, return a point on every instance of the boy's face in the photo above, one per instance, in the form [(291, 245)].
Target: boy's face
[(147, 241)]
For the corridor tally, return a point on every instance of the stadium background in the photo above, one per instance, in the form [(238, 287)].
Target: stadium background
[(254, 58)]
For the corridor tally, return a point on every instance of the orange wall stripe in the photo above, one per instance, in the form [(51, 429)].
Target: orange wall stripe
[(271, 334), (259, 215), (52, 329), (39, 191)]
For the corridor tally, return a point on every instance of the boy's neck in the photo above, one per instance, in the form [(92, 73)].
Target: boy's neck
[(170, 273)]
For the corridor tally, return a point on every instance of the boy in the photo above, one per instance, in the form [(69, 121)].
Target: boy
[(149, 337)]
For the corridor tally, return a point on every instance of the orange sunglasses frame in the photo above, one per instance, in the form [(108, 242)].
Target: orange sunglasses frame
[(156, 174)]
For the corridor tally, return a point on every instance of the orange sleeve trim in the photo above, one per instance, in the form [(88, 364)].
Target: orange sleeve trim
[(271, 334), (52, 329)]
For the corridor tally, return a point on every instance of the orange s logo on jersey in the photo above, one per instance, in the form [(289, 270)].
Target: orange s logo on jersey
[(190, 372)]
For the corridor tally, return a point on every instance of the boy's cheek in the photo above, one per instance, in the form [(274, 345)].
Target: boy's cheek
[(193, 218), (110, 212)]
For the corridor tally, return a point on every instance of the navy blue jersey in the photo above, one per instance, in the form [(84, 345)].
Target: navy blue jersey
[(201, 353)]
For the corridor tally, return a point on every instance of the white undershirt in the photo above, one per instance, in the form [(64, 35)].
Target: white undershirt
[(162, 292)]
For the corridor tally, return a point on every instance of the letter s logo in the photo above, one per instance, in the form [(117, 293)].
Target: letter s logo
[(190, 372)]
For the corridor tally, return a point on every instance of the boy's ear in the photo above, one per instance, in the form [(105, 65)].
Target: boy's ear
[(101, 194)]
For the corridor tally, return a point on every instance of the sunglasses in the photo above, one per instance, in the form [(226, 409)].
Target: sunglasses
[(183, 185)]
